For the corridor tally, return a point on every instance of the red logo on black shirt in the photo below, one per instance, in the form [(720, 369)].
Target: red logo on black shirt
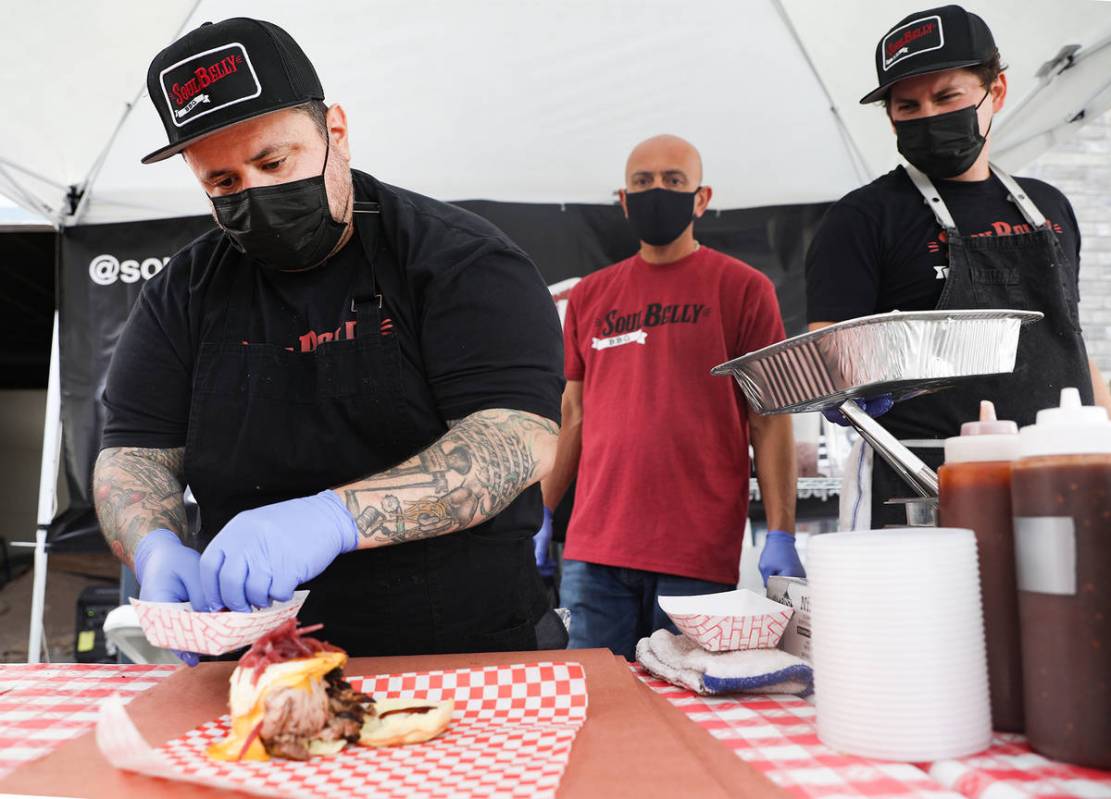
[(309, 341), (999, 228)]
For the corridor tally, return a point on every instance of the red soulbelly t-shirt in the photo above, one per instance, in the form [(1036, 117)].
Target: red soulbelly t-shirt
[(663, 478)]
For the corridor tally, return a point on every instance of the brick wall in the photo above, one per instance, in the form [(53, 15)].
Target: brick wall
[(1081, 168)]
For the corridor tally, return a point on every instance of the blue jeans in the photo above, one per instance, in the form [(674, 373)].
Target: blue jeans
[(614, 607)]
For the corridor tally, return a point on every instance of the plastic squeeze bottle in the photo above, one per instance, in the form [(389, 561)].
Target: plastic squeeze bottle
[(975, 493), (1061, 493)]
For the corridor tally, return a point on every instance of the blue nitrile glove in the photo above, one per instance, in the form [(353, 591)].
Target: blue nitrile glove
[(779, 556), (873, 406), (169, 571), (263, 554), (541, 544)]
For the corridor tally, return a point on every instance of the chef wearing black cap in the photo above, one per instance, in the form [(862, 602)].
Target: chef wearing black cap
[(360, 385), (950, 230)]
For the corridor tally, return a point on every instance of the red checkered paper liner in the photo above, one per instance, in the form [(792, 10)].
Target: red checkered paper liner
[(730, 633), (511, 735), (42, 706), (776, 734), (175, 625), (1011, 770)]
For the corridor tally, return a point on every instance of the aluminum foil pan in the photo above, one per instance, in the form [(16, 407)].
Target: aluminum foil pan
[(903, 354)]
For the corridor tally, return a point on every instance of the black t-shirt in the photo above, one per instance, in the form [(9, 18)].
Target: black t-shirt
[(880, 249), (476, 324)]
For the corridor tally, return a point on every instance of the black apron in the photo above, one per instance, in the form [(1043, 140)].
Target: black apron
[(267, 424), (1027, 271)]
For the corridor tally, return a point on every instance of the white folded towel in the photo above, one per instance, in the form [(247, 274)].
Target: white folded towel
[(680, 661)]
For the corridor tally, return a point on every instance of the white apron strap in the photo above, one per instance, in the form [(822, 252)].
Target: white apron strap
[(1019, 197), (933, 200)]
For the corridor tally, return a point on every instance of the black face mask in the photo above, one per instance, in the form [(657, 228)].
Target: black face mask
[(287, 226), (659, 215), (945, 145)]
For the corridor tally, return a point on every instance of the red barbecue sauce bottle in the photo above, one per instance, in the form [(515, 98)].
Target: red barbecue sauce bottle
[(1061, 492), (975, 493)]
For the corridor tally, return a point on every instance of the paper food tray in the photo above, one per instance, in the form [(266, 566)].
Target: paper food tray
[(728, 621), (175, 625), (511, 735)]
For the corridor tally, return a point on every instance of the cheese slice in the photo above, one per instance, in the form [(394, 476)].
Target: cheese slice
[(247, 700)]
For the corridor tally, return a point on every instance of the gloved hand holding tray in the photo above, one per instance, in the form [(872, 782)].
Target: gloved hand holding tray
[(901, 354)]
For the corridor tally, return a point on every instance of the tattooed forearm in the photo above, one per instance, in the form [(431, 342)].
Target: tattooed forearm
[(471, 474), (136, 491)]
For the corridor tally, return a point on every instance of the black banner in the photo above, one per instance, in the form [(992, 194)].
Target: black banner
[(574, 240), (26, 306), (101, 270), (103, 267)]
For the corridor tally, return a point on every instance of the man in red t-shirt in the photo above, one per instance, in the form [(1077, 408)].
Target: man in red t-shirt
[(660, 446)]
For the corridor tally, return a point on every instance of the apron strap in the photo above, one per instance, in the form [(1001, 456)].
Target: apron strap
[(366, 298), (1018, 196), (940, 211), (237, 309), (931, 196)]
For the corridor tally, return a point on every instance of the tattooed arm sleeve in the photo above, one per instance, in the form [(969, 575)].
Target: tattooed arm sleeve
[(136, 491), (469, 475)]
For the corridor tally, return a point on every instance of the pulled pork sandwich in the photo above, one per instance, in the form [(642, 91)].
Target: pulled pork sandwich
[(288, 698)]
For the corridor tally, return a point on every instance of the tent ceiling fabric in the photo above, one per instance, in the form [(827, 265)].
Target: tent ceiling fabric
[(70, 69), (1079, 86), (523, 102)]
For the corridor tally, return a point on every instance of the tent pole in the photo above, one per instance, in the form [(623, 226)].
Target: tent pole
[(1049, 72), (1047, 75), (860, 166), (85, 188), (21, 195), (48, 488), (30, 173)]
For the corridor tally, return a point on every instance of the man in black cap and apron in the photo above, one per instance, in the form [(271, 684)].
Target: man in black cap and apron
[(360, 385), (949, 230)]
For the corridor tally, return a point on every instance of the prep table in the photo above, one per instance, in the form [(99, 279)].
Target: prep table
[(42, 707)]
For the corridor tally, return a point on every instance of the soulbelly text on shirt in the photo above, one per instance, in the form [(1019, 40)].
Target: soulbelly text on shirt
[(615, 322)]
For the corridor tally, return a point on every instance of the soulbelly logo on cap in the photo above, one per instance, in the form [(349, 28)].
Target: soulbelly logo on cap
[(223, 73), (914, 38), (207, 82), (928, 41)]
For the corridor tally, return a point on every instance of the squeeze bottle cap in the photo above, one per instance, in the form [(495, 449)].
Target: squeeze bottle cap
[(988, 439), (988, 425), (1069, 429)]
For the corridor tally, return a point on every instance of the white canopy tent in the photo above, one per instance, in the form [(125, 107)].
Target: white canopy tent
[(522, 102), (526, 102)]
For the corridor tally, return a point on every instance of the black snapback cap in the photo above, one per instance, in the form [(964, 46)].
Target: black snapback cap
[(224, 73), (930, 41)]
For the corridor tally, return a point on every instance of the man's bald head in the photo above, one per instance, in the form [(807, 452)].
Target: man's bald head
[(664, 161)]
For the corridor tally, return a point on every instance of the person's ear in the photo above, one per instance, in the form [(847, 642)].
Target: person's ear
[(702, 200), (998, 92), (624, 203), (336, 119)]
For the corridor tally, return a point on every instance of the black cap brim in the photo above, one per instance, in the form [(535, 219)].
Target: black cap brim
[(878, 93), (170, 150)]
